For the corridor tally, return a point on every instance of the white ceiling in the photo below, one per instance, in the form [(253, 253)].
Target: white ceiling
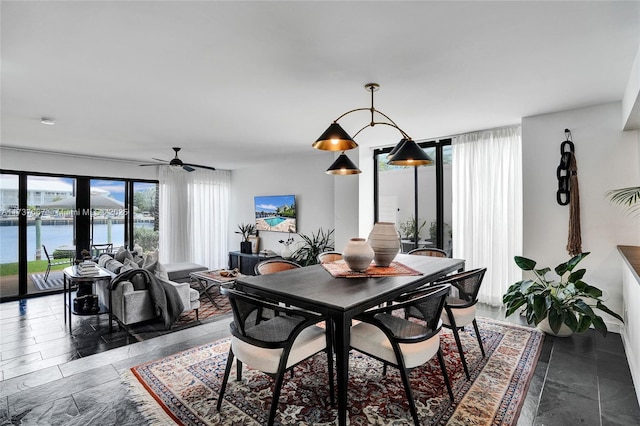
[(235, 83)]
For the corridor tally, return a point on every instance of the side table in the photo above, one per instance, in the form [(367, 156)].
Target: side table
[(71, 278), (208, 280)]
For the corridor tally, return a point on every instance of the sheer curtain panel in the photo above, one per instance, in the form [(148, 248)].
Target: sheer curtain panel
[(194, 218), (487, 206)]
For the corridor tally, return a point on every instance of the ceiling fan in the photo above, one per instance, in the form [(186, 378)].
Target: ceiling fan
[(177, 164)]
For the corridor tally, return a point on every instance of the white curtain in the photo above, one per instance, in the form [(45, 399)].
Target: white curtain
[(194, 216), (487, 206)]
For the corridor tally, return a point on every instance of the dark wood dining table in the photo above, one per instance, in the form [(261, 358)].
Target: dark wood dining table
[(341, 299)]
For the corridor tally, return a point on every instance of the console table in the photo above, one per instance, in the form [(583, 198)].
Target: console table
[(73, 278), (245, 262)]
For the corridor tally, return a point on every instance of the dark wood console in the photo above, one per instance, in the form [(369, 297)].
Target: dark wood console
[(246, 261)]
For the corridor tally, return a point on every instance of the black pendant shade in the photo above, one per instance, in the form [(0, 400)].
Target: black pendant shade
[(408, 153), (343, 166), (335, 139)]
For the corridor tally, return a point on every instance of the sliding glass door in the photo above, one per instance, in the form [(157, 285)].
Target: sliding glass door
[(406, 193), (42, 228)]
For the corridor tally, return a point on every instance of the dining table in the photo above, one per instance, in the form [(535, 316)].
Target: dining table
[(342, 298)]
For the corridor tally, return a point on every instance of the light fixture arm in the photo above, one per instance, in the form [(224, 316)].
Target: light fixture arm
[(373, 87)]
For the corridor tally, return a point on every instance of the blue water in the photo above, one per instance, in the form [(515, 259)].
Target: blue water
[(273, 221), (54, 236)]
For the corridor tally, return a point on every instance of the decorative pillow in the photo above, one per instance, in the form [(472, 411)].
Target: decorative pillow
[(123, 254), (151, 261), (161, 272), (138, 255), (103, 259), (113, 266)]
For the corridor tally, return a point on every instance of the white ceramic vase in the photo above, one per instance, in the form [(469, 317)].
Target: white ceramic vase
[(385, 242), (286, 252), (357, 254)]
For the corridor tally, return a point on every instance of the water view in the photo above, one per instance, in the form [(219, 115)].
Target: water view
[(54, 236)]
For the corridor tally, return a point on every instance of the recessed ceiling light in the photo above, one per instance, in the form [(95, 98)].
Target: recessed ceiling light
[(48, 121)]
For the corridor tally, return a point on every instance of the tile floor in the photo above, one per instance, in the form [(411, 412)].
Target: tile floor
[(50, 378)]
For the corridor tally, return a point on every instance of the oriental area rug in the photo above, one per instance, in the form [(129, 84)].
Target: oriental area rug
[(183, 388)]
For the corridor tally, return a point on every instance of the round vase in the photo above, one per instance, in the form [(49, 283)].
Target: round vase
[(385, 242), (563, 332), (357, 254)]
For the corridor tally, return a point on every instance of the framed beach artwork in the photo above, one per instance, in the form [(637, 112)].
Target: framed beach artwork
[(276, 213), (255, 243)]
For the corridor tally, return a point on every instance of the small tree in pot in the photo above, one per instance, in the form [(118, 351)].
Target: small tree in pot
[(246, 230), (564, 302)]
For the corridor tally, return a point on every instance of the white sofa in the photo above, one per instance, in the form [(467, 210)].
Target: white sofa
[(130, 302)]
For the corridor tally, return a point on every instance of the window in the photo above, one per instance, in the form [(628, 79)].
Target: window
[(39, 210), (404, 193)]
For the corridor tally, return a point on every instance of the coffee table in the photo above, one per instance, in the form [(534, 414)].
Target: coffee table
[(208, 280)]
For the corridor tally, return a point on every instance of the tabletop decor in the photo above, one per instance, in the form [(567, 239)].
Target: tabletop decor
[(183, 388), (385, 242), (340, 269), (357, 255)]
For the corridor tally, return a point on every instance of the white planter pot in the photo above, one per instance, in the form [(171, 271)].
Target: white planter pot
[(563, 332)]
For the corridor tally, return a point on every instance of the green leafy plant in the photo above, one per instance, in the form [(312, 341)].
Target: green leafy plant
[(570, 301), (408, 228), (627, 197), (312, 246), (246, 229)]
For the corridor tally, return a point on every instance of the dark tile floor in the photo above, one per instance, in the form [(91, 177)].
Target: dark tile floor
[(51, 378)]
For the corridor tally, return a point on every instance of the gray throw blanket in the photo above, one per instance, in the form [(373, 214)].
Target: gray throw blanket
[(164, 295)]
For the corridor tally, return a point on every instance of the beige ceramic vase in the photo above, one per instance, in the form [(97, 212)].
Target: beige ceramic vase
[(357, 254), (385, 242)]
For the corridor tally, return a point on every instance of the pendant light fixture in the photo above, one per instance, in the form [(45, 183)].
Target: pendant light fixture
[(335, 138), (343, 166)]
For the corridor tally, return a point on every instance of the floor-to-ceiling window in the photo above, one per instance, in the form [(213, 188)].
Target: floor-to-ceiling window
[(401, 192), (108, 213), (41, 211), (9, 214), (145, 217)]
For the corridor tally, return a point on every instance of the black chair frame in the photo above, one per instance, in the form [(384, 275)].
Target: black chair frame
[(418, 251), (470, 299), (243, 321), (51, 263), (411, 300)]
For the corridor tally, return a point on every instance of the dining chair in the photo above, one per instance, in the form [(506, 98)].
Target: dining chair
[(460, 309), (401, 342), (53, 262), (329, 256), (272, 266), (436, 252), (275, 345), (99, 249)]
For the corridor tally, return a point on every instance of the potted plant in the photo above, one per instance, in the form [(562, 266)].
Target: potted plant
[(569, 302), (626, 197), (312, 246), (408, 228), (246, 230)]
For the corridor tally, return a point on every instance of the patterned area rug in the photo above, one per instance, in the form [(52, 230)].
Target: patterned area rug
[(55, 280), (184, 387)]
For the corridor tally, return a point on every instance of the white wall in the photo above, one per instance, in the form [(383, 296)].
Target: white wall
[(607, 158), (44, 162), (315, 193)]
